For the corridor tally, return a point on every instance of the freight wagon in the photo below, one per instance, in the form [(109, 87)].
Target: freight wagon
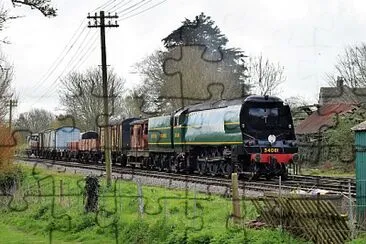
[(53, 143)]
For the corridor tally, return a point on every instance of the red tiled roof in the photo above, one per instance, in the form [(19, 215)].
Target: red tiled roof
[(321, 119)]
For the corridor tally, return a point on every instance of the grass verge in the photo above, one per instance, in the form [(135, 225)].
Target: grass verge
[(158, 215)]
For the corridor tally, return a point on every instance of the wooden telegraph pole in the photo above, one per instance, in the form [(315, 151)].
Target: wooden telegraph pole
[(11, 103), (107, 143)]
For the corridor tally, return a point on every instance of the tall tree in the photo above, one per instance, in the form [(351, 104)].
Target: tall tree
[(147, 94), (35, 120), (195, 66), (6, 76), (130, 106), (82, 96), (351, 65), (265, 76)]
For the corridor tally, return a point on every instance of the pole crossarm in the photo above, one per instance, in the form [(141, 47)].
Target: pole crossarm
[(102, 18)]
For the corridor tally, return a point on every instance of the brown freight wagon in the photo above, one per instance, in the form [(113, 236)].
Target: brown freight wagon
[(119, 131), (139, 153), (89, 145)]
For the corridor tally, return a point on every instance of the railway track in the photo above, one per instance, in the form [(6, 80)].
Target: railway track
[(336, 185)]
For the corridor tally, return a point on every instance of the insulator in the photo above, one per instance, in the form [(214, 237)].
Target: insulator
[(88, 14)]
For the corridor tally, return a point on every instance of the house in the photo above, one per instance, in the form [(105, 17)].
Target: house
[(334, 103), (319, 121), (341, 94), (313, 146)]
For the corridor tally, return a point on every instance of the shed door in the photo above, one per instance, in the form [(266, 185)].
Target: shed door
[(361, 175)]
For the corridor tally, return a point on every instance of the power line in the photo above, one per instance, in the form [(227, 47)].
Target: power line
[(61, 57), (112, 9), (82, 59), (133, 15), (53, 87), (106, 4), (80, 63), (72, 59), (86, 54), (68, 47), (136, 8), (133, 5)]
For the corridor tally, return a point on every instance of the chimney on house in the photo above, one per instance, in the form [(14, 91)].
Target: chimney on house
[(340, 81)]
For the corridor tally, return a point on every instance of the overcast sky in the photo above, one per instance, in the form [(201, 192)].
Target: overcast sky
[(303, 36)]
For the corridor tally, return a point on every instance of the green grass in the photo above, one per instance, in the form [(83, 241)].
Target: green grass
[(332, 169), (10, 234), (169, 216)]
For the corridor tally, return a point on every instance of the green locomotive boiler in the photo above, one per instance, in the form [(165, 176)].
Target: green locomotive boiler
[(255, 136)]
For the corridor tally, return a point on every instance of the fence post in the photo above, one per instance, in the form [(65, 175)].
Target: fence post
[(235, 197), (61, 191), (352, 226), (140, 198), (280, 195), (195, 205)]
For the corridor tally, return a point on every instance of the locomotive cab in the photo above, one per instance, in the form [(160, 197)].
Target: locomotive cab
[(268, 135)]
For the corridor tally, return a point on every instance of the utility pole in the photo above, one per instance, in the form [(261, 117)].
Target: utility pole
[(107, 142), (11, 103)]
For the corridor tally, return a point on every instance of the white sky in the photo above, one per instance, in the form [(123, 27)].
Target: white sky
[(303, 36)]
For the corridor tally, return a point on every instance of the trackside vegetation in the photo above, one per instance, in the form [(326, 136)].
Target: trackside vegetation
[(156, 215)]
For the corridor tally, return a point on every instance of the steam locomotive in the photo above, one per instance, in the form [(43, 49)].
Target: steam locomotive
[(255, 137)]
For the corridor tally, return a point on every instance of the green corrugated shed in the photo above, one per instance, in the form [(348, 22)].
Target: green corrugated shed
[(360, 137)]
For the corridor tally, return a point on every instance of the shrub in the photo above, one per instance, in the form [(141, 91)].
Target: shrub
[(7, 145)]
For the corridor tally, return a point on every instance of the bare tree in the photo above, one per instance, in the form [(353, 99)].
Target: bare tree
[(35, 120), (147, 93), (131, 106), (351, 65), (265, 76), (43, 6), (6, 77), (82, 96)]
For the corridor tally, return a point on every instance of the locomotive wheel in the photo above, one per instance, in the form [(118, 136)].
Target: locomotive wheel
[(155, 162), (174, 165), (202, 168), (254, 171), (227, 170), (269, 176), (160, 163), (284, 172), (213, 169)]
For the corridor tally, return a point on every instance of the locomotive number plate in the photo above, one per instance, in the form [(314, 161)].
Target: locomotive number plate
[(270, 150)]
